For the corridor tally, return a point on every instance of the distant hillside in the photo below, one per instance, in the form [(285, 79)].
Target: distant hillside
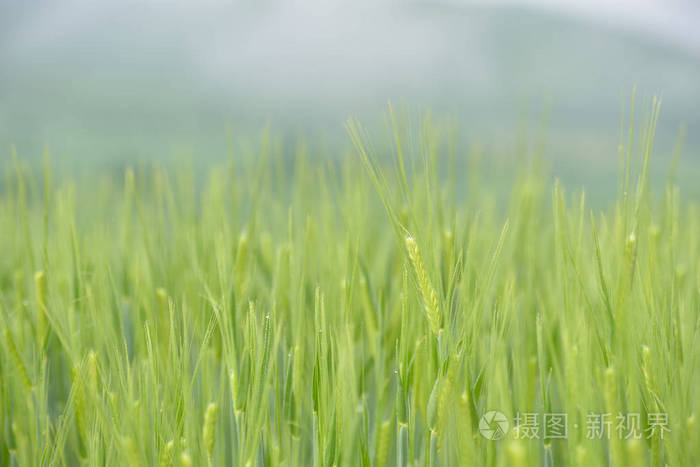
[(134, 80)]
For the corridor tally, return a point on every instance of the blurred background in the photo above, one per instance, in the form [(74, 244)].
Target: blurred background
[(107, 83)]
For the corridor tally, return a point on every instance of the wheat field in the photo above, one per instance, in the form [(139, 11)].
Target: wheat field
[(380, 307)]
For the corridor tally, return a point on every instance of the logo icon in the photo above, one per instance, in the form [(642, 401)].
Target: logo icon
[(493, 425)]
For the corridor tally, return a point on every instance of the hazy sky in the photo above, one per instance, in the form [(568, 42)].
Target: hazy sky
[(45, 24), (675, 20)]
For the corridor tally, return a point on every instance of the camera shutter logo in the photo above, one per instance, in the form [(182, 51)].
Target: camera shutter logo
[(493, 425)]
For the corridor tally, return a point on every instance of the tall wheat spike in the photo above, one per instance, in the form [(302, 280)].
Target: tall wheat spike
[(430, 300)]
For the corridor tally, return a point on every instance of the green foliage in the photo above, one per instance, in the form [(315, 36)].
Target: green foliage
[(293, 310)]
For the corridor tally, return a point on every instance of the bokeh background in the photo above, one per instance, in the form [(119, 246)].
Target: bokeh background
[(107, 83)]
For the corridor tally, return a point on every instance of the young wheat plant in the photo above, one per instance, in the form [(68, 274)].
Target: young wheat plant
[(277, 311)]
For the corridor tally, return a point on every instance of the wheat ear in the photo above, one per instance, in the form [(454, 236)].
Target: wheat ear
[(430, 300)]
